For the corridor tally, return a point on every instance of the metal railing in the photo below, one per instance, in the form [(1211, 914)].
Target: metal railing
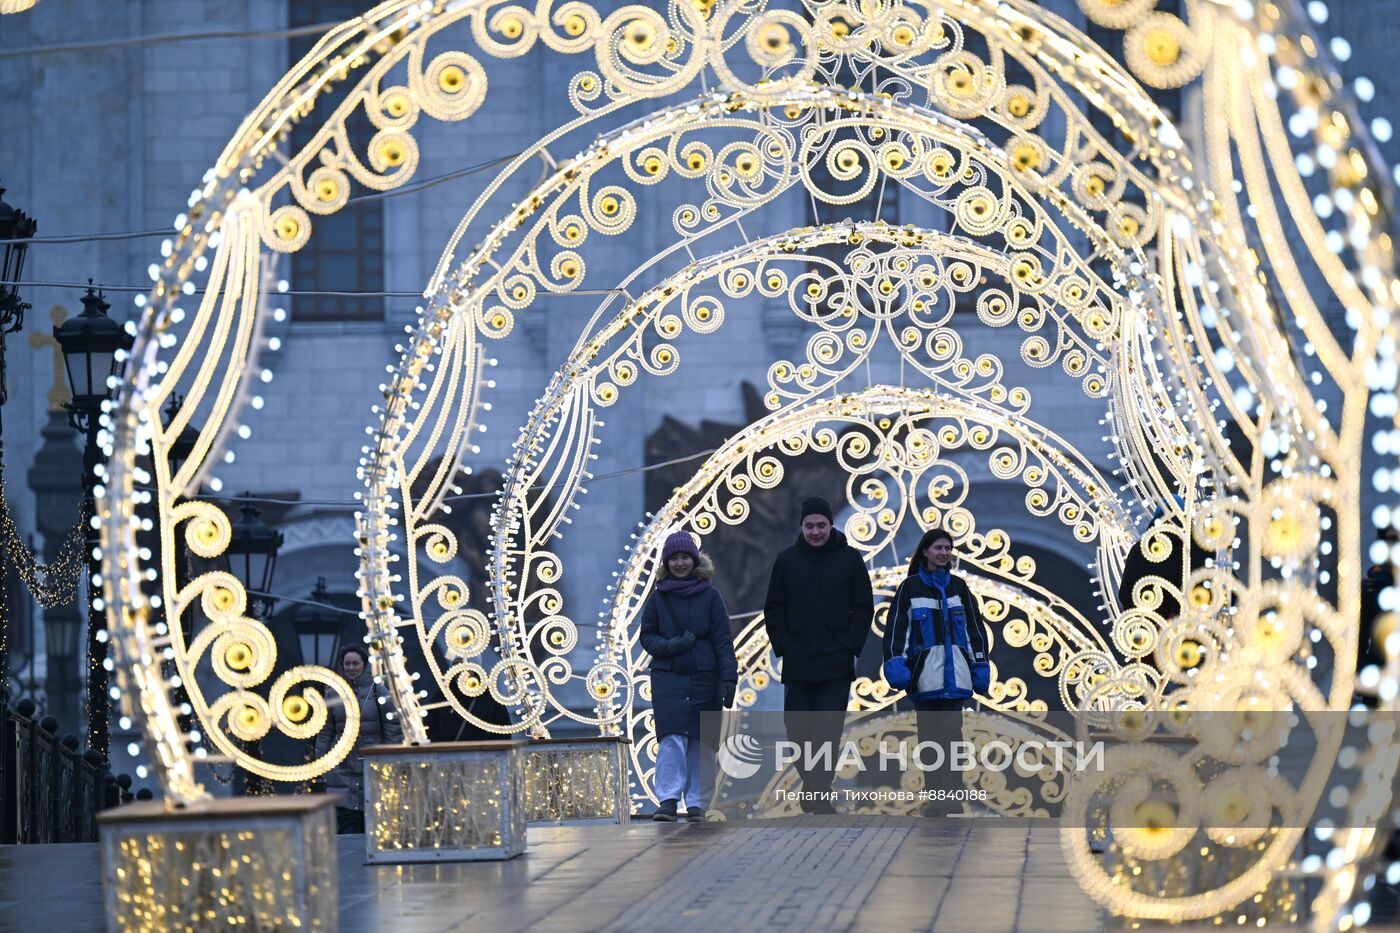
[(49, 790)]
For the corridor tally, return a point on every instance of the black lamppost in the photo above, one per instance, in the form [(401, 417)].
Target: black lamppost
[(16, 228), (179, 451), (61, 631), (319, 628), (183, 445), (90, 343), (252, 558)]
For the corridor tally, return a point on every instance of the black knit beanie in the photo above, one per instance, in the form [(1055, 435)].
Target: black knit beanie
[(814, 505)]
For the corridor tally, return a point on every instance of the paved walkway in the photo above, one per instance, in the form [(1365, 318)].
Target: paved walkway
[(808, 873)]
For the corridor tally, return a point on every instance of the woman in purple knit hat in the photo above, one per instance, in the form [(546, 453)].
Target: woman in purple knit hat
[(685, 629)]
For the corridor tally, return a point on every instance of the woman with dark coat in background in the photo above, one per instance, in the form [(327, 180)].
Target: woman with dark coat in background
[(685, 629), (377, 727)]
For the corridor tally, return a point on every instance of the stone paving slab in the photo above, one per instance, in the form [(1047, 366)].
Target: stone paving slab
[(809, 873)]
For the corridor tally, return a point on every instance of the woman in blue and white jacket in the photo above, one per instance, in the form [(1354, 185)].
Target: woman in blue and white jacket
[(936, 630)]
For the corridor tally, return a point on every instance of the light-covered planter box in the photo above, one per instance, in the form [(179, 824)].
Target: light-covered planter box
[(575, 781), (254, 863), (445, 802)]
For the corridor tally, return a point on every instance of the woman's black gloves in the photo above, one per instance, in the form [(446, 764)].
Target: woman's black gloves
[(727, 698), (681, 642)]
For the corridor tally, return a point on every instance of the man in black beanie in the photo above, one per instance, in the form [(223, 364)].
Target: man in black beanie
[(818, 614)]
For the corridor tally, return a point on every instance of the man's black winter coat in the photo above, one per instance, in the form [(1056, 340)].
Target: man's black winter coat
[(819, 610)]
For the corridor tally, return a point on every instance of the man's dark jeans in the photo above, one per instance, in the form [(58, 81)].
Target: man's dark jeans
[(815, 713)]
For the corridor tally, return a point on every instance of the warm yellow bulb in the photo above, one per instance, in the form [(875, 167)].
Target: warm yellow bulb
[(1155, 816), (452, 79), (1162, 47), (640, 35), (238, 656)]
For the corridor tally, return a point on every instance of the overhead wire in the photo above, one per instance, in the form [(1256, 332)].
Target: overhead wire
[(282, 598), (355, 504), (293, 292), (359, 198), (168, 37)]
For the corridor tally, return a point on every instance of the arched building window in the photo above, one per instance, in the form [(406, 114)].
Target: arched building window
[(347, 252)]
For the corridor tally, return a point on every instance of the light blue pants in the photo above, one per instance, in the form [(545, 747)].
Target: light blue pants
[(681, 765)]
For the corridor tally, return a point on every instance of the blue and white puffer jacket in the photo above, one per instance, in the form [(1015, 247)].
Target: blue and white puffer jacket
[(935, 624)]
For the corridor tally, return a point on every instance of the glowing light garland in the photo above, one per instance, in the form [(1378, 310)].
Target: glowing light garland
[(52, 584), (1142, 269)]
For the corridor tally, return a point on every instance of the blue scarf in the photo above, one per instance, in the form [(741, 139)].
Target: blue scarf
[(685, 589), (938, 579)]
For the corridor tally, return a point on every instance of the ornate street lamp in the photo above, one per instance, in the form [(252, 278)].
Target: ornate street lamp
[(252, 556), (90, 342), (319, 628), (16, 228), (61, 632)]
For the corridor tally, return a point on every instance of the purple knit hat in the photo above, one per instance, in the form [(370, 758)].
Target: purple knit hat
[(680, 542)]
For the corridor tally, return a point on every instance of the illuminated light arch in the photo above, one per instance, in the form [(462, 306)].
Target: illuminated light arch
[(918, 266), (403, 389), (1222, 348), (890, 439), (498, 323)]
